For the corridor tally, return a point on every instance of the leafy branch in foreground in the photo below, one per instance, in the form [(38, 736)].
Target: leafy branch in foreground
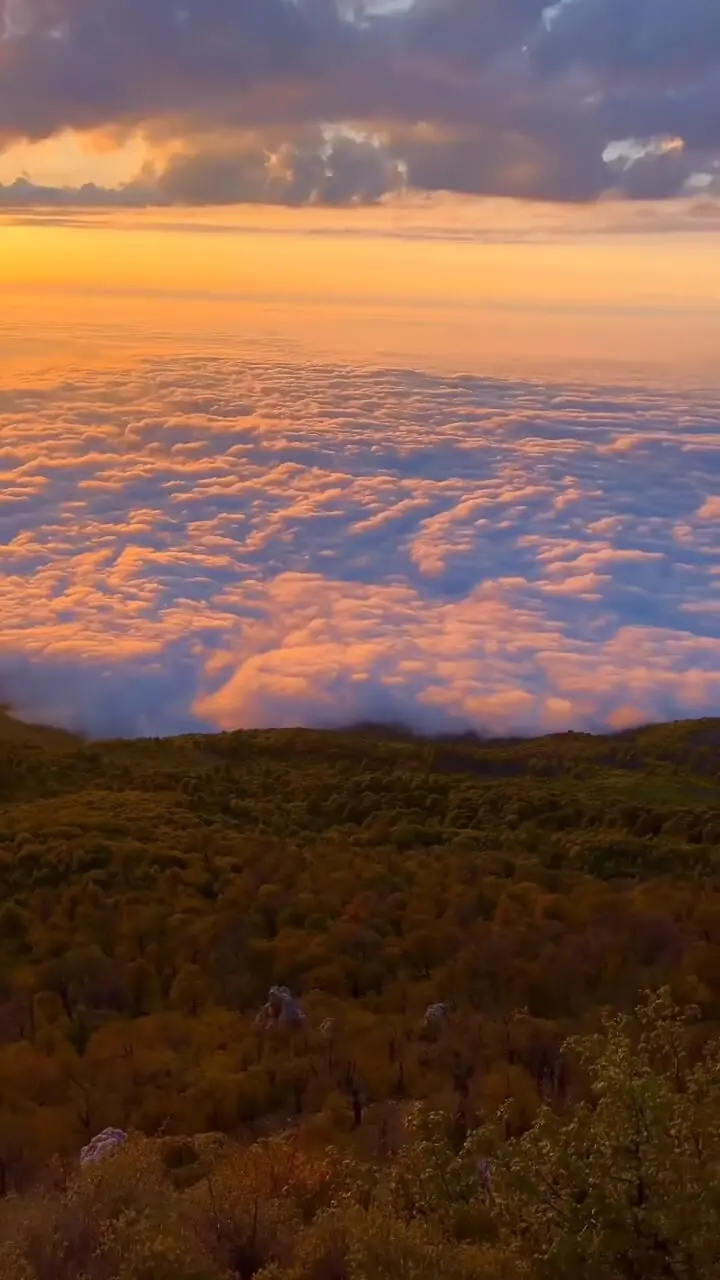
[(625, 1185)]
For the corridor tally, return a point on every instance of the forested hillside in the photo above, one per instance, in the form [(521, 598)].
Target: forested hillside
[(443, 913)]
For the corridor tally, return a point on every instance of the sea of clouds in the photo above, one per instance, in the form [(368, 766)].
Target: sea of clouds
[(211, 542)]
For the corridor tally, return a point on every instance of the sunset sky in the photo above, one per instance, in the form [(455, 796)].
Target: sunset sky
[(359, 361)]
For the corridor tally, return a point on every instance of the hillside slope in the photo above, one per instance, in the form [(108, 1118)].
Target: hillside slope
[(151, 892)]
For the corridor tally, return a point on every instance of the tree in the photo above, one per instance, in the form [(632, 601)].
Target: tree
[(627, 1185)]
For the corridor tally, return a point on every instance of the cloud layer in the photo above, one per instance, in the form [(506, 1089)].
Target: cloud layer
[(216, 543), (296, 101)]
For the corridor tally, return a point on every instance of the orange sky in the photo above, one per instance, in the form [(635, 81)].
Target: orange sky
[(72, 159), (403, 286)]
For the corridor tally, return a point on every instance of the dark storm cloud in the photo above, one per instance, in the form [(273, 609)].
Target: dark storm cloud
[(305, 169), (86, 65), (502, 97), (635, 38), (690, 111)]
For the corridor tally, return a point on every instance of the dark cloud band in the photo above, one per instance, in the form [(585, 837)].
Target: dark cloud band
[(500, 97)]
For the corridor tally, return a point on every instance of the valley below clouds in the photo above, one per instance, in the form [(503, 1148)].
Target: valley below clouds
[(212, 542)]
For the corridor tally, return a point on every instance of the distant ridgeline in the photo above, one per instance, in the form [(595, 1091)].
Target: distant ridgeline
[(303, 939)]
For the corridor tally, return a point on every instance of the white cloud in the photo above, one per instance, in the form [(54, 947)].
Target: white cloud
[(217, 543)]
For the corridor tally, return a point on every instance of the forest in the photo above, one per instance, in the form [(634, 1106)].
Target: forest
[(350, 994)]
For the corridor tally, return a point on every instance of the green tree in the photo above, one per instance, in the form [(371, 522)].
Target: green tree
[(626, 1186)]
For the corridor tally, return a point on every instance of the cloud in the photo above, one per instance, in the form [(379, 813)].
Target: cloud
[(293, 100), (409, 216), (24, 194), (209, 542), (631, 40), (308, 168)]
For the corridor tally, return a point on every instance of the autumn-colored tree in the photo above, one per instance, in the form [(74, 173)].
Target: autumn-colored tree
[(152, 892)]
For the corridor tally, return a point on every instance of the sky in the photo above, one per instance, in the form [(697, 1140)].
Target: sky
[(359, 362), (203, 102)]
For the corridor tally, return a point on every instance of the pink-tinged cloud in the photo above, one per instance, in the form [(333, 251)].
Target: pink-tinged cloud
[(217, 543), (710, 509)]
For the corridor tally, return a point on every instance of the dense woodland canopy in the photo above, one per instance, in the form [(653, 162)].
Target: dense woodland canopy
[(151, 892)]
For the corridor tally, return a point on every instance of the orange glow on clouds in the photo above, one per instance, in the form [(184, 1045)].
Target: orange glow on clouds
[(293, 474)]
